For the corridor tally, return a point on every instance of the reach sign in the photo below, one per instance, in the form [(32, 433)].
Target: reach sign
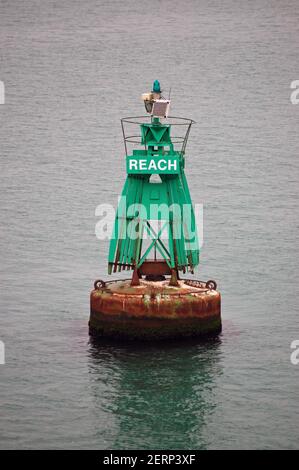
[(150, 165)]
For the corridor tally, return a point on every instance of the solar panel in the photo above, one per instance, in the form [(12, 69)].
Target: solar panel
[(160, 108)]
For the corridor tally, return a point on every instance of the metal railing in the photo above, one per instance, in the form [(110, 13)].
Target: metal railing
[(179, 141)]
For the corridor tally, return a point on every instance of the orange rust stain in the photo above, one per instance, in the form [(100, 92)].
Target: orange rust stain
[(203, 305)]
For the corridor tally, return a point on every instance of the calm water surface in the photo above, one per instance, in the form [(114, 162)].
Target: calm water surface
[(71, 70)]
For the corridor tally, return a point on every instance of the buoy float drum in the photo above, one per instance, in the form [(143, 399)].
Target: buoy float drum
[(154, 310), (151, 305)]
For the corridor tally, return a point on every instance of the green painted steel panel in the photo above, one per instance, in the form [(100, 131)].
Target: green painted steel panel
[(143, 201)]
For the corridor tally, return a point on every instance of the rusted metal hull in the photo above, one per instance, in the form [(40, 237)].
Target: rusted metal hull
[(154, 310)]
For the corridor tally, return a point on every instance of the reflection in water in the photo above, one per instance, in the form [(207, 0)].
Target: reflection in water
[(157, 396)]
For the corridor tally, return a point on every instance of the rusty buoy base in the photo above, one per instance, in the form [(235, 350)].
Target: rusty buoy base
[(154, 310)]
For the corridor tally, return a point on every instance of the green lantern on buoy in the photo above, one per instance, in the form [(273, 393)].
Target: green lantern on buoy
[(156, 87)]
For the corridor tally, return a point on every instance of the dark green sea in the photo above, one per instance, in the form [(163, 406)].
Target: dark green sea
[(71, 70)]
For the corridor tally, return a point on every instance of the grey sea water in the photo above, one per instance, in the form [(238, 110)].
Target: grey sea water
[(71, 69)]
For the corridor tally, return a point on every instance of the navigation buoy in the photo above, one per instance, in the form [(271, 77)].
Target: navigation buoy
[(155, 218)]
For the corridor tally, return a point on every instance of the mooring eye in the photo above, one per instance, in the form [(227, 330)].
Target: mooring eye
[(211, 285), (99, 284)]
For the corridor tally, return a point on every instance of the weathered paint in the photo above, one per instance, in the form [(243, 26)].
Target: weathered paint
[(154, 310)]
